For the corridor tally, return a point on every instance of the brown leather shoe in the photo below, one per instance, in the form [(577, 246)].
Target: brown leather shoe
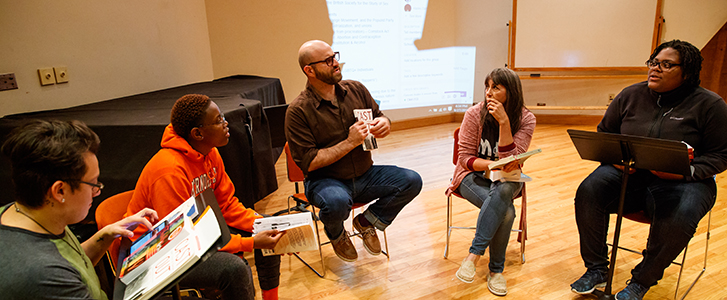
[(344, 248), (368, 234)]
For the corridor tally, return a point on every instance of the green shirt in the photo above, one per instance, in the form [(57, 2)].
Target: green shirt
[(45, 266)]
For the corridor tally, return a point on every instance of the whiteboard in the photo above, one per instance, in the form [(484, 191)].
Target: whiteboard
[(583, 33)]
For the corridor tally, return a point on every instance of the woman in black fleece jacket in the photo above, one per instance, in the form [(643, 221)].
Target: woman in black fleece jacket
[(669, 105)]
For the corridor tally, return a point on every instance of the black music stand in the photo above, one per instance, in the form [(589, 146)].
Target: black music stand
[(203, 200), (631, 152)]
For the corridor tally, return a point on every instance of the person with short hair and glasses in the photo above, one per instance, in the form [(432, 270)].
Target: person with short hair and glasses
[(671, 105), (190, 163), (329, 60), (55, 173), (326, 140)]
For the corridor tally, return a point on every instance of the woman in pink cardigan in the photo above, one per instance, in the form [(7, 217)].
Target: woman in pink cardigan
[(496, 128)]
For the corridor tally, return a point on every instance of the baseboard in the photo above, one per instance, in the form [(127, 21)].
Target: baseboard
[(592, 120), (426, 121), (568, 119)]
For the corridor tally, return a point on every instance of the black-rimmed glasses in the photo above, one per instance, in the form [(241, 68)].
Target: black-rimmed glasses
[(328, 60), (221, 120), (664, 65), (95, 187)]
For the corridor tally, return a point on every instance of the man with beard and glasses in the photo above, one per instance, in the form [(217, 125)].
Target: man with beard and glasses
[(325, 141)]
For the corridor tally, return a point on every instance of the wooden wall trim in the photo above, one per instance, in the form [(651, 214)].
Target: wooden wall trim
[(562, 107), (584, 69), (590, 120), (426, 121), (512, 27), (512, 35), (528, 77), (658, 26)]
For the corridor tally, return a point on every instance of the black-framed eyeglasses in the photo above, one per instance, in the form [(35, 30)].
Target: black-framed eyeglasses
[(95, 187), (221, 120), (664, 65), (328, 60)]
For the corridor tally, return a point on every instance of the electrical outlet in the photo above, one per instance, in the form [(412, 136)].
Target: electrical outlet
[(61, 74), (610, 98), (46, 76), (7, 82)]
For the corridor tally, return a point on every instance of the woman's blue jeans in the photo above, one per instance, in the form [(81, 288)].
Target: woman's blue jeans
[(394, 188), (674, 207), (496, 217)]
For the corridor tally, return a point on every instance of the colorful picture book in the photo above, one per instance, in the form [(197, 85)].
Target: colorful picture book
[(155, 240), (164, 253)]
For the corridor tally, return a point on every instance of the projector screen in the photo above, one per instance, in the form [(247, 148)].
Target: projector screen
[(376, 43)]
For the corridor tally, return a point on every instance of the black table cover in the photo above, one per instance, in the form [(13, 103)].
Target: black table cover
[(130, 129)]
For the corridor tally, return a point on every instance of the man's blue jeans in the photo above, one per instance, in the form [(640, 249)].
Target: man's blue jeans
[(674, 207), (496, 217), (394, 187)]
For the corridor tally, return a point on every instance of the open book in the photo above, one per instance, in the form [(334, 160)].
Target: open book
[(496, 172), (164, 253), (156, 240), (299, 233)]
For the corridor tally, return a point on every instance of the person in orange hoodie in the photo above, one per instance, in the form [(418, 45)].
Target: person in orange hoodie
[(188, 164)]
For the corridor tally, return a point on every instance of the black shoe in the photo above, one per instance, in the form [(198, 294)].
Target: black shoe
[(633, 291), (590, 281)]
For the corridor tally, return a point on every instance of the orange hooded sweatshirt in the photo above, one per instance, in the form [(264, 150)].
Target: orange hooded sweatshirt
[(178, 172)]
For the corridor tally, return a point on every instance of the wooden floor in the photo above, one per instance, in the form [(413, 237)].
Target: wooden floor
[(417, 269)]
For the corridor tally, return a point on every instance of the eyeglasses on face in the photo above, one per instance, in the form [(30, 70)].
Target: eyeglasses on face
[(95, 187), (220, 120), (328, 60), (664, 65)]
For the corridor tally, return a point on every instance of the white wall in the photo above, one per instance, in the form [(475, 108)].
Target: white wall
[(262, 37), (483, 24), (111, 49), (119, 48), (692, 21)]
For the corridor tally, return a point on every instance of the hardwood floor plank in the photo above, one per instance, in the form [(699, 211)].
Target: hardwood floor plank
[(417, 269)]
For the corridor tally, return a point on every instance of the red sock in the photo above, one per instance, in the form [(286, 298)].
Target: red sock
[(270, 294)]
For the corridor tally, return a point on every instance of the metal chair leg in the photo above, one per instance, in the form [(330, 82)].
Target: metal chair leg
[(449, 226), (704, 267), (354, 233), (522, 232), (386, 245), (684, 257), (320, 250)]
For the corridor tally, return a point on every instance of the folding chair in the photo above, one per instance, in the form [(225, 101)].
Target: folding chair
[(640, 217), (295, 175), (522, 231)]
